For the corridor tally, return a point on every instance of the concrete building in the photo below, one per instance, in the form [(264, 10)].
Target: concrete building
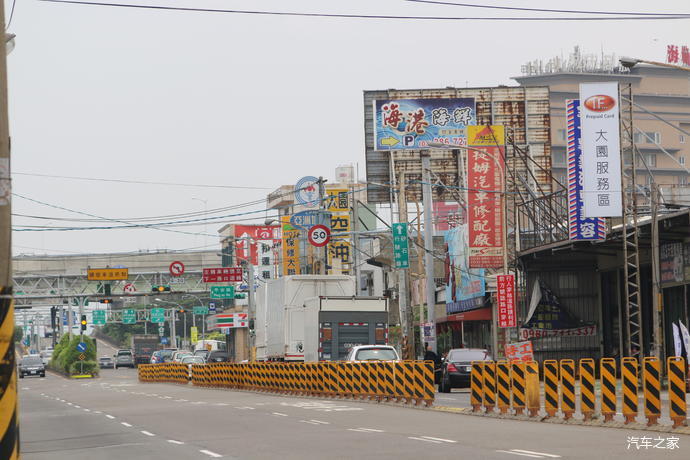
[(663, 91)]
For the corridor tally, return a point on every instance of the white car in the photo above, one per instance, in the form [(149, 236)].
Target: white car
[(192, 359), (372, 353), (178, 355), (46, 355)]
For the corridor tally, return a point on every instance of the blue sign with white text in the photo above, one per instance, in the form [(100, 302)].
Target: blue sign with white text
[(81, 347), (412, 123)]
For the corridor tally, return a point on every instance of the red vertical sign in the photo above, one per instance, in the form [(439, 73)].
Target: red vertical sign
[(485, 178), (506, 301)]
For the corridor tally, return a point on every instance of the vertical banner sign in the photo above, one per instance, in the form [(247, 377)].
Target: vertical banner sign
[(339, 248), (579, 226), (485, 166), (601, 149), (290, 243), (400, 245), (506, 300)]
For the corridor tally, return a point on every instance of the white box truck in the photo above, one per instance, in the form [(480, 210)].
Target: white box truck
[(334, 324), (279, 324)]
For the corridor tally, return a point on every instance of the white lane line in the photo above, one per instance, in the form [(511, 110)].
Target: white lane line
[(109, 416), (183, 400), (210, 454), (244, 407), (77, 407), (439, 439), (309, 422), (199, 402), (167, 397), (320, 421), (43, 394), (221, 404), (172, 441), (373, 430), (422, 439), (97, 412), (536, 453), (518, 453), (87, 410), (147, 433), (369, 430), (280, 414), (70, 404)]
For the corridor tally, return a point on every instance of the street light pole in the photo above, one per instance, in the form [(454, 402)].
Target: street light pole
[(429, 248)]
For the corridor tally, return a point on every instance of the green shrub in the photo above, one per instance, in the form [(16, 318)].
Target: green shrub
[(69, 354), (85, 367)]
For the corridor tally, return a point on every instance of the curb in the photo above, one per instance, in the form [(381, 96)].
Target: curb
[(559, 421)]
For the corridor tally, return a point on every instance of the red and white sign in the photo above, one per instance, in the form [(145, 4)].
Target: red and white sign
[(176, 268), (584, 331), (224, 274), (129, 288), (678, 55), (519, 351), (228, 320), (251, 242), (506, 300), (319, 235), (485, 178)]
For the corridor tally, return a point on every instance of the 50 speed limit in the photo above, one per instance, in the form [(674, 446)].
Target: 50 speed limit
[(319, 235)]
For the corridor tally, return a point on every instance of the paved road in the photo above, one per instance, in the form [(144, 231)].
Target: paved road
[(116, 417)]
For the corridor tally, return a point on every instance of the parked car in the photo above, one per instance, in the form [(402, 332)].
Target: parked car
[(106, 362), (124, 358), (46, 355), (178, 355), (457, 367), (217, 356), (189, 360), (372, 353), (31, 365)]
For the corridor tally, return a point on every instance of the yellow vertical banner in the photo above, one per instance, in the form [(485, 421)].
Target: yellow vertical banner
[(290, 244), (194, 332), (339, 248)]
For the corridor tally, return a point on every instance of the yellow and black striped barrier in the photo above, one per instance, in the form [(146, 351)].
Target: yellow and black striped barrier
[(629, 383), (607, 371), (551, 387), (567, 388), (587, 385), (676, 391), (503, 386), (476, 385), (489, 382), (9, 416), (517, 385), (532, 388), (651, 378)]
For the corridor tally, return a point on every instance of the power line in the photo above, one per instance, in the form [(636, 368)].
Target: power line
[(9, 21), (543, 10), (364, 16)]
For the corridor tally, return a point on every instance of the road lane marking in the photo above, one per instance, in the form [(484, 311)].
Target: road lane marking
[(210, 454), (126, 424), (422, 439), (518, 453), (536, 453), (244, 407), (183, 400), (199, 402), (87, 410), (309, 422), (147, 433), (373, 430), (172, 441), (221, 404), (77, 407), (70, 404), (280, 414), (439, 439), (320, 421), (109, 416), (97, 412)]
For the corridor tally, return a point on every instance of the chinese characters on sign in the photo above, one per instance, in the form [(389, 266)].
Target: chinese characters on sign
[(290, 247), (400, 245), (678, 55), (601, 165), (485, 165), (647, 442), (413, 123), (579, 226), (339, 248), (519, 351), (219, 275), (506, 300), (107, 274), (338, 200)]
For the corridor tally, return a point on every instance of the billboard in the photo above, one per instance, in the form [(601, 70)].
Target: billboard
[(579, 226), (485, 171), (505, 287), (465, 287), (262, 237), (290, 247), (601, 149), (412, 123)]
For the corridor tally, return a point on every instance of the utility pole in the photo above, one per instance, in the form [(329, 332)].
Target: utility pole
[(355, 241), (403, 298), (173, 332), (70, 320), (251, 310), (322, 205), (429, 248), (657, 300)]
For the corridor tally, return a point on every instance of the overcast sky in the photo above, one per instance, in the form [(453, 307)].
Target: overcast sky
[(241, 100)]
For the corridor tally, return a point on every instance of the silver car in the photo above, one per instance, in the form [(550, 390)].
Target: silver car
[(124, 358)]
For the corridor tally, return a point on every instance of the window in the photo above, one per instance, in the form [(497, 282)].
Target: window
[(683, 180), (648, 137), (558, 157), (265, 261), (681, 160), (561, 134), (266, 274), (649, 160), (682, 139)]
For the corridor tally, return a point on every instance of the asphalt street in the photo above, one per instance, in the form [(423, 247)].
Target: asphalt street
[(116, 417)]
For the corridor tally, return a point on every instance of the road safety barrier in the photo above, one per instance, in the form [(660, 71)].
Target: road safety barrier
[(516, 386), (400, 381)]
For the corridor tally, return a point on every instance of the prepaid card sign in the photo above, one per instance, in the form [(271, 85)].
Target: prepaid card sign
[(601, 149)]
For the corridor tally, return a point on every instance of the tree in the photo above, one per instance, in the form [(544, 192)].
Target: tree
[(18, 333)]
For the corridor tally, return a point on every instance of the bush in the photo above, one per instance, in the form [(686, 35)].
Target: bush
[(66, 353), (85, 367), (57, 351)]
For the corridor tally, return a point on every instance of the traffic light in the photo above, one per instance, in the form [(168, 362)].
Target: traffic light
[(106, 301), (181, 310), (83, 322), (160, 288)]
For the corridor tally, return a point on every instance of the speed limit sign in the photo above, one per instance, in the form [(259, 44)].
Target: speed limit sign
[(319, 235)]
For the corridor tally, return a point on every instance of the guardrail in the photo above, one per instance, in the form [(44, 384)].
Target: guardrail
[(394, 381), (517, 385)]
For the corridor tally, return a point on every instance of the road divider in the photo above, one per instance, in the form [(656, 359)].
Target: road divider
[(399, 381)]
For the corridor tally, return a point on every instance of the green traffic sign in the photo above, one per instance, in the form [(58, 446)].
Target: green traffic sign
[(129, 316), (200, 310), (400, 245), (222, 292), (158, 315), (98, 317)]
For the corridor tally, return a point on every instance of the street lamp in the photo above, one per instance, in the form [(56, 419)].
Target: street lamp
[(629, 63)]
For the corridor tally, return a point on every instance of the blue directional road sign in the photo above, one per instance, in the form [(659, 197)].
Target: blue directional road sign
[(81, 347), (164, 340)]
